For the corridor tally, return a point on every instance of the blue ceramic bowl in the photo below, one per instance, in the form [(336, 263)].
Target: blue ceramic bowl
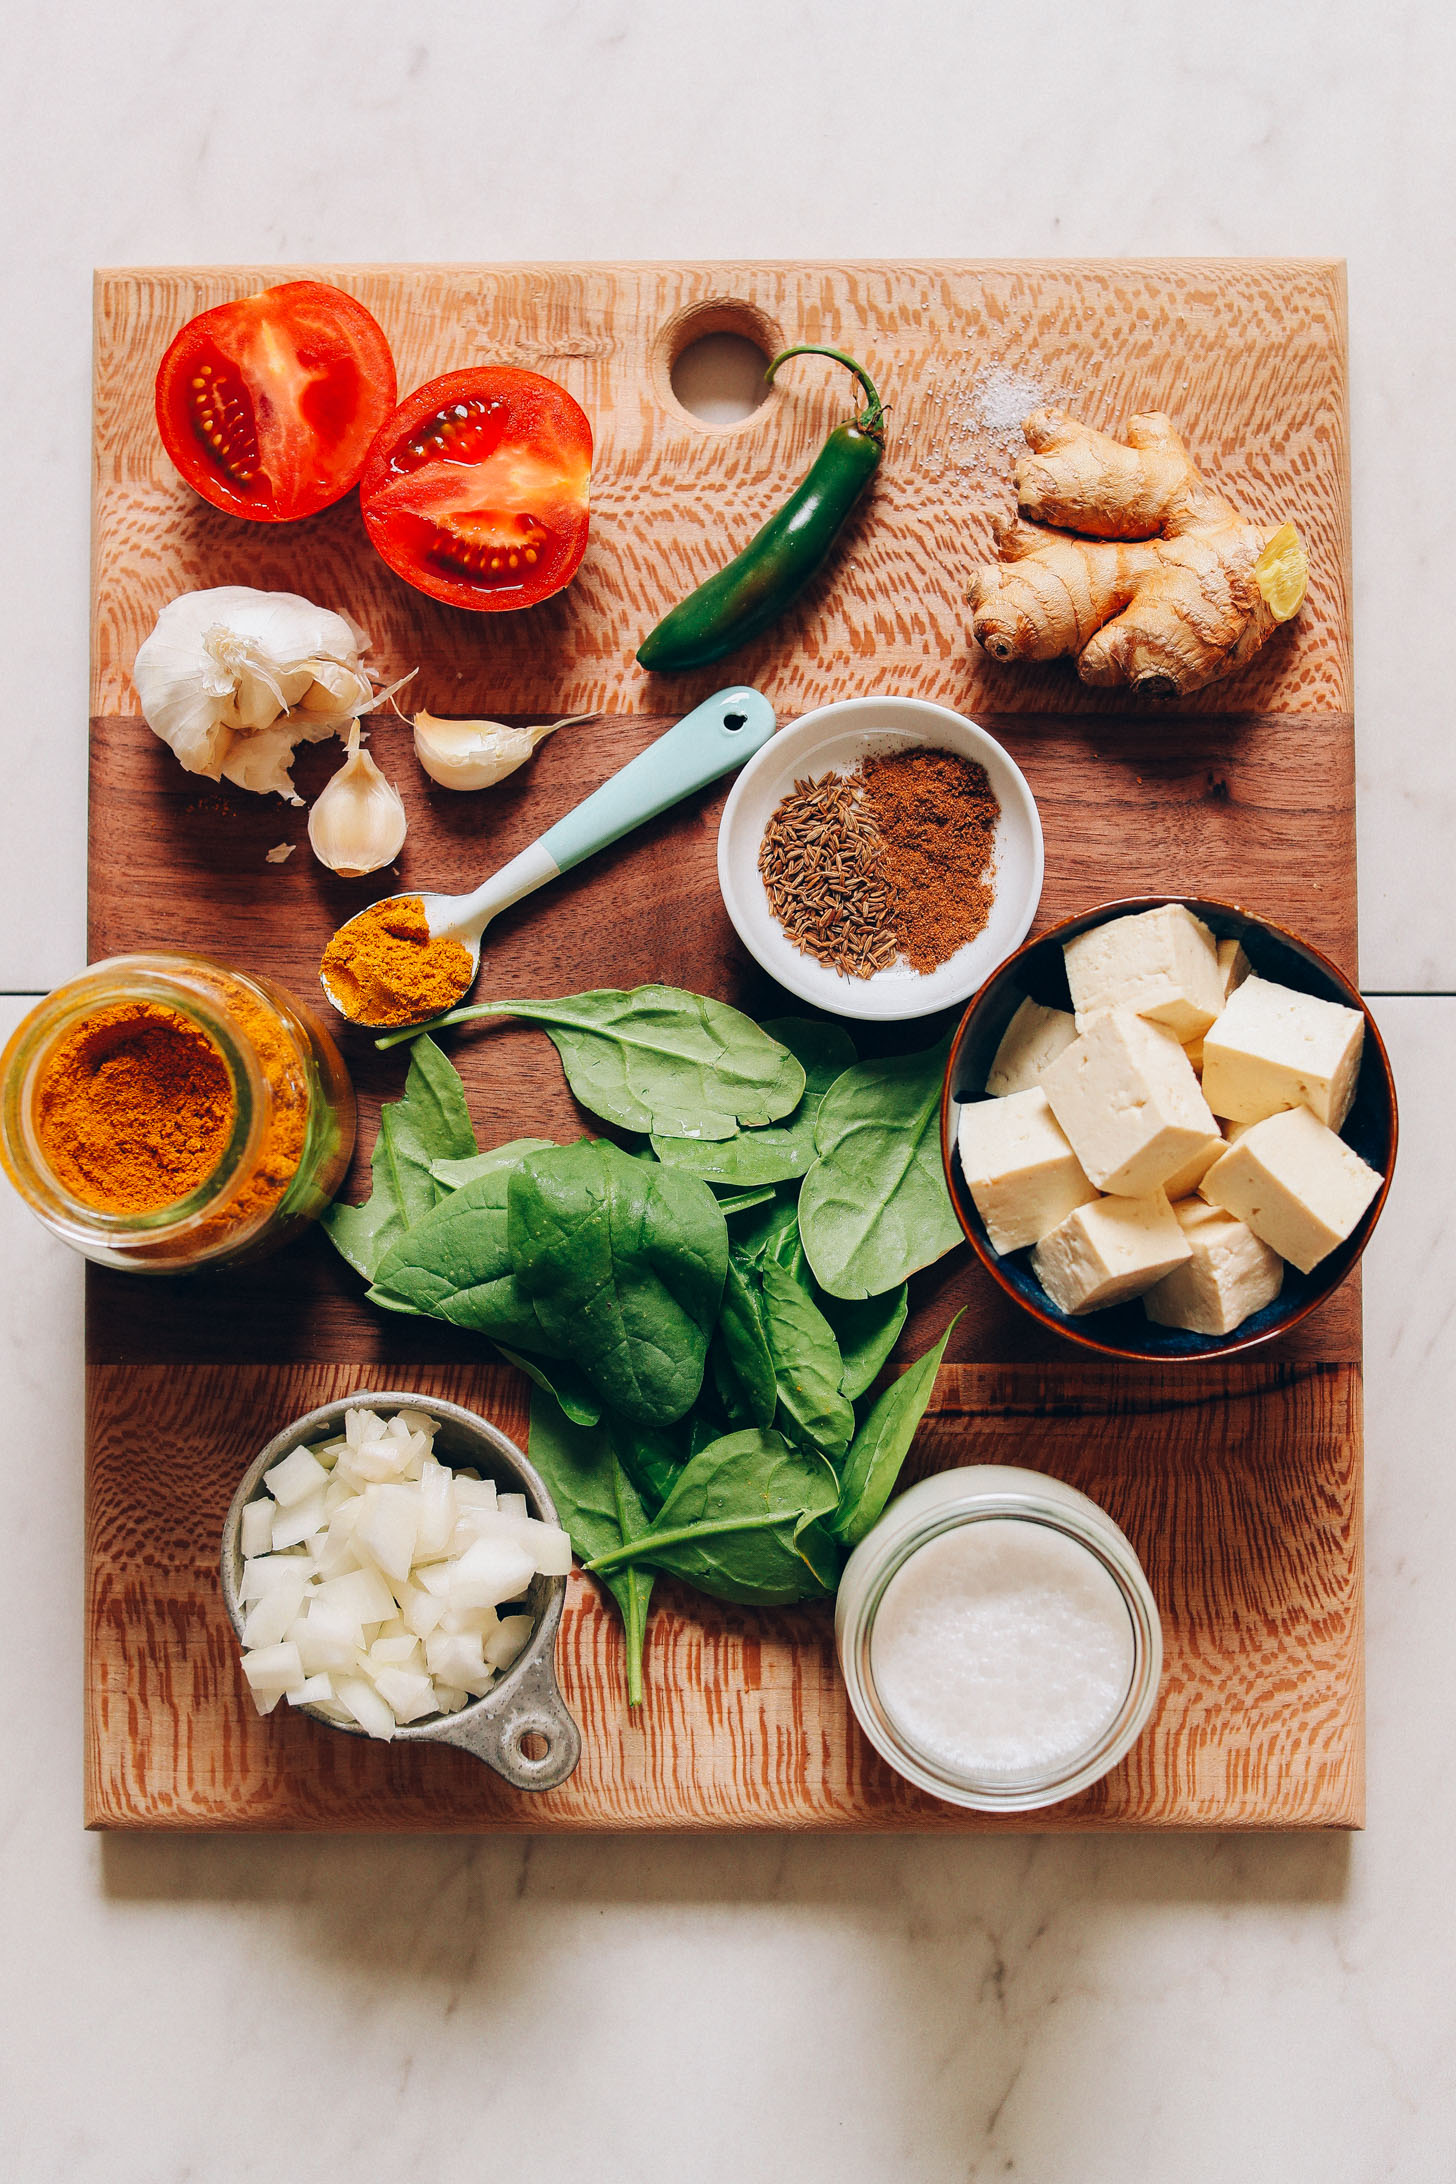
[(1124, 1330)]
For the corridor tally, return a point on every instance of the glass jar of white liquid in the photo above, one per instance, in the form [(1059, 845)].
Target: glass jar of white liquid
[(999, 1640)]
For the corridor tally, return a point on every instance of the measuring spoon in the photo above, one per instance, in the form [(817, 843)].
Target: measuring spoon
[(714, 739)]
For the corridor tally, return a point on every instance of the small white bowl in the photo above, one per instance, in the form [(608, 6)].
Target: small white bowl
[(833, 740)]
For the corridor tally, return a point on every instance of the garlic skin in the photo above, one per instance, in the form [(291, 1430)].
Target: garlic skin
[(357, 823), (474, 754), (234, 679)]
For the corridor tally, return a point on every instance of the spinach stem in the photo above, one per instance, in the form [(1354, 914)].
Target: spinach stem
[(646, 1544)]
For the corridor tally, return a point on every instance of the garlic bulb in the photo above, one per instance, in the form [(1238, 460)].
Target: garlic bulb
[(357, 823), (234, 679), (472, 754)]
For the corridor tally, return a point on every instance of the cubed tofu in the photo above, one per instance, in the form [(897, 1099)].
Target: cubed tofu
[(1230, 1275), (1233, 965), (1300, 1188), (1019, 1168), (1109, 1251), (1186, 1179), (1161, 963), (1129, 1104), (1274, 1048), (1032, 1041)]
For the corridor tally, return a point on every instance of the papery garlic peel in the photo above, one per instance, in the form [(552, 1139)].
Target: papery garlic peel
[(358, 821), (234, 679)]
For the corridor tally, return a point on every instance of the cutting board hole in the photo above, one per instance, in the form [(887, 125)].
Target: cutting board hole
[(710, 360), (719, 379)]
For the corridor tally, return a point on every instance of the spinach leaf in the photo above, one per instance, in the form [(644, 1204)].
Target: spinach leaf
[(774, 1231), (651, 1457), (807, 1365), (623, 1262), (784, 1247), (733, 1524), (866, 1332), (456, 1265), (597, 1504), (703, 1430), (453, 1175), (564, 1384), (429, 1122), (659, 1059), (743, 1202), (874, 1206), (742, 1355), (881, 1445), (777, 1153)]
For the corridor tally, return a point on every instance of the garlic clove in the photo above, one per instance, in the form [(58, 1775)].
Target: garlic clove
[(357, 823), (334, 689), (474, 754)]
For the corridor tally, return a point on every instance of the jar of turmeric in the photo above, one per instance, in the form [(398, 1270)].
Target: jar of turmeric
[(163, 1112)]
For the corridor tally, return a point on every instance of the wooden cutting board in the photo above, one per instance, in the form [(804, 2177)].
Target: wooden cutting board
[(1239, 1484)]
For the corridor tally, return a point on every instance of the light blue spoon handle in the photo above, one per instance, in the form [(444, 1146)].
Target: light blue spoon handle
[(715, 737)]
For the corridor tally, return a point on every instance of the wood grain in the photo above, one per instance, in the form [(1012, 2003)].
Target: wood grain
[(1248, 356), (1240, 1492), (1239, 1485)]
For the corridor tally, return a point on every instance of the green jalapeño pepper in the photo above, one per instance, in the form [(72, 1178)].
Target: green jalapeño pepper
[(773, 568)]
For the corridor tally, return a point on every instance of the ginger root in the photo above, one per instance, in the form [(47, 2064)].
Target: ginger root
[(1167, 587)]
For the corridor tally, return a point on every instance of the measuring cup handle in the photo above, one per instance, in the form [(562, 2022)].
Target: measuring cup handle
[(711, 741), (536, 1708)]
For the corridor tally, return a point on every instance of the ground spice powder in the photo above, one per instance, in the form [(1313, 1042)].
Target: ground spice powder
[(895, 859), (383, 967), (134, 1109), (285, 1120), (936, 813)]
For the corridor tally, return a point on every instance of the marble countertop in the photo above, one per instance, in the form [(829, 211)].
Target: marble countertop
[(1073, 2011)]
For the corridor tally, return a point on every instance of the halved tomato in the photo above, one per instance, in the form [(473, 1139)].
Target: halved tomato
[(478, 488), (268, 406)]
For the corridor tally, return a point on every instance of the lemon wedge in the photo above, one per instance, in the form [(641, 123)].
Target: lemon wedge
[(1282, 573)]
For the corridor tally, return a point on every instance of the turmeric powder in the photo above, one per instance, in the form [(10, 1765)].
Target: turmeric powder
[(285, 1122), (135, 1108), (383, 967)]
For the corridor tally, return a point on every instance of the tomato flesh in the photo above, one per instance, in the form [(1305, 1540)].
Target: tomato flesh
[(268, 406), (478, 489), (221, 411)]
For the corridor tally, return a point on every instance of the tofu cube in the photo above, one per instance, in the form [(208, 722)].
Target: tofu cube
[(1185, 1180), (1274, 1048), (1129, 1104), (1233, 965), (1230, 1275), (1299, 1187), (1032, 1040), (1161, 963), (1019, 1168), (1109, 1251)]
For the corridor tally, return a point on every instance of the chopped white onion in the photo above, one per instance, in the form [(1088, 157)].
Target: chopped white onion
[(372, 1576), (298, 1475)]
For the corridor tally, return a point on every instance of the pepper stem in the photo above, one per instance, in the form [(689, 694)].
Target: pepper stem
[(871, 418)]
